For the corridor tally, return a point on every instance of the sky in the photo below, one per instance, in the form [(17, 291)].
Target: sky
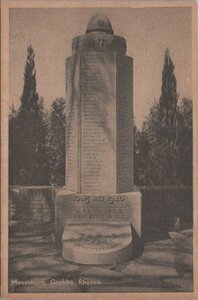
[(148, 32)]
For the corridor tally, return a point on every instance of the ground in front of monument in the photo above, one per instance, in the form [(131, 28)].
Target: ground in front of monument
[(36, 266)]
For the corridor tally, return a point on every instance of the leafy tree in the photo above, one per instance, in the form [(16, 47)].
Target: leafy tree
[(56, 142), (169, 97), (141, 150), (184, 128), (28, 130), (166, 136)]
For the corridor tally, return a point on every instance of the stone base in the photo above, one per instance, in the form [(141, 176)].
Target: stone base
[(98, 243), (96, 208)]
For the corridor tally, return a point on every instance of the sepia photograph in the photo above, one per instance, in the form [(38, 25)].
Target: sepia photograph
[(99, 150)]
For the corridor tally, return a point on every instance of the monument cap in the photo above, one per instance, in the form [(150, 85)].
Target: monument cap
[(99, 23)]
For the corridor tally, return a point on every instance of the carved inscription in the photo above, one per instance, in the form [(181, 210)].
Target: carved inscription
[(98, 157), (98, 241), (100, 41), (97, 213), (99, 119), (99, 199), (98, 207)]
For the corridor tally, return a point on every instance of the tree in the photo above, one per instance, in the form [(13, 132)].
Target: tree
[(28, 153), (165, 137), (56, 142), (184, 128), (169, 97), (141, 150), (29, 98)]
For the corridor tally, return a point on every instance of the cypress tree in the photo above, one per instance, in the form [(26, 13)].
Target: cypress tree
[(29, 98), (169, 97), (28, 140), (160, 132)]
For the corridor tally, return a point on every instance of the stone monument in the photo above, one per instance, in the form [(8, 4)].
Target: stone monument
[(99, 210)]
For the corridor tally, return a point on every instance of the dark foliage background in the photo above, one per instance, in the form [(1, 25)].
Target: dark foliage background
[(56, 142), (162, 147)]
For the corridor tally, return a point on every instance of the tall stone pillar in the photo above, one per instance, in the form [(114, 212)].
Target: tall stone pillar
[(99, 191)]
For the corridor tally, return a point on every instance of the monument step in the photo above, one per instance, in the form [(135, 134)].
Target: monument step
[(98, 243)]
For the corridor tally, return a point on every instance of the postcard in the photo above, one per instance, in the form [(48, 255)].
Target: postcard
[(99, 149)]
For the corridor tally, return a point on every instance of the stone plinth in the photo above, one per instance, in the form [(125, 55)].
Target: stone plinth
[(91, 208), (108, 243)]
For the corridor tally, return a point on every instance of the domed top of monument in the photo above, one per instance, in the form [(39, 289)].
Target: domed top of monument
[(99, 23)]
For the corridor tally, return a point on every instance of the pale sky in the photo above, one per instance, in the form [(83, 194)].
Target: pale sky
[(148, 32)]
